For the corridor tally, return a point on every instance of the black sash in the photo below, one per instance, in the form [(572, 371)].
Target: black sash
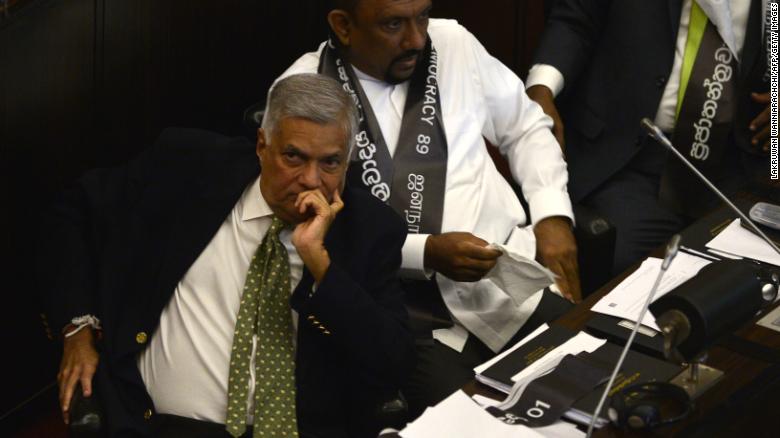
[(413, 181), (547, 398), (704, 125)]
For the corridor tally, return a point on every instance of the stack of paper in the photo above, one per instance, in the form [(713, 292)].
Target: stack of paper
[(579, 343), (626, 299), (738, 241)]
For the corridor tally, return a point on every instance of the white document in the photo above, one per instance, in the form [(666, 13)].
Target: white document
[(626, 299), (574, 346), (481, 368), (458, 416), (518, 275), (738, 241), (577, 344), (771, 320)]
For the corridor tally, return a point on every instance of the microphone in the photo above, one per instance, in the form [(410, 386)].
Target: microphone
[(671, 251), (659, 136)]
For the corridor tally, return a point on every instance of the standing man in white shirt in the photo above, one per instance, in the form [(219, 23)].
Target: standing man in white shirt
[(604, 65), (429, 96)]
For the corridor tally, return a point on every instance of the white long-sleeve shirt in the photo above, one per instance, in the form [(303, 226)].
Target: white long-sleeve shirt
[(480, 97), (186, 365)]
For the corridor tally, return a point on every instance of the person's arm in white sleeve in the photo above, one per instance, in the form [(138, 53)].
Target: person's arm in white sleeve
[(523, 134), (543, 85)]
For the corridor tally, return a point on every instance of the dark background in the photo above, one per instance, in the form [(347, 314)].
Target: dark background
[(89, 83)]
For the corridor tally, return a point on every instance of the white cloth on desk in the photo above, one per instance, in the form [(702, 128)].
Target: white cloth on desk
[(185, 366), (480, 97)]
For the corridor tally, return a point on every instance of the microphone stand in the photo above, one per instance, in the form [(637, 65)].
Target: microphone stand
[(659, 136), (671, 252)]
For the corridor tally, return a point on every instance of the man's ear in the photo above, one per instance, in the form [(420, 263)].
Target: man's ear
[(341, 24), (261, 142)]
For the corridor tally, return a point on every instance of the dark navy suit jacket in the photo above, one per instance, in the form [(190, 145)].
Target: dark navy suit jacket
[(124, 237), (615, 57)]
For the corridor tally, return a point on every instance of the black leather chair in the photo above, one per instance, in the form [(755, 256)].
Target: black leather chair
[(86, 415)]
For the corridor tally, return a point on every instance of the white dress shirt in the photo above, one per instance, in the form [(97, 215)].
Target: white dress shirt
[(185, 366), (549, 76), (480, 97)]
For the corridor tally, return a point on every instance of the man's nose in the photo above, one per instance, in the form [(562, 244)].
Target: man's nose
[(310, 176), (414, 37)]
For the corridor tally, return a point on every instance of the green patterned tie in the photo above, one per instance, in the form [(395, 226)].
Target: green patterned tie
[(264, 311)]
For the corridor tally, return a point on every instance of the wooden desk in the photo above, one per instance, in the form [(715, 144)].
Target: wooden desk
[(744, 403)]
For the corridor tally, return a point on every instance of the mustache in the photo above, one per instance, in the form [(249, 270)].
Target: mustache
[(406, 55)]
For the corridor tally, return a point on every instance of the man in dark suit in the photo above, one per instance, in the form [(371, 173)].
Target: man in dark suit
[(187, 261), (611, 63)]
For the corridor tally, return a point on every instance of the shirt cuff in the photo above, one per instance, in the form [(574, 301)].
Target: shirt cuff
[(78, 323), (413, 258), (547, 75), (548, 203)]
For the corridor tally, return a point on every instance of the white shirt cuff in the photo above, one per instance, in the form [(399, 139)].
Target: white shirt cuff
[(413, 258), (83, 321), (547, 75), (548, 203)]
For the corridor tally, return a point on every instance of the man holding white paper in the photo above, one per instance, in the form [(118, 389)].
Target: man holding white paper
[(431, 95)]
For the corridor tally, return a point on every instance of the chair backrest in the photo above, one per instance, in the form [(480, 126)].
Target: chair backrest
[(253, 118)]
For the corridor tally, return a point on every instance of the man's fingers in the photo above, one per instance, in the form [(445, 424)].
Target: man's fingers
[(562, 281), (761, 119), (481, 267), (66, 393), (480, 252), (317, 204), (571, 272), (86, 384), (761, 136), (760, 97), (337, 203), (309, 193)]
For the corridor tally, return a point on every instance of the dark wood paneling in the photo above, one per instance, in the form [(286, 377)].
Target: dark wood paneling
[(194, 63), (493, 22), (46, 114), (509, 29)]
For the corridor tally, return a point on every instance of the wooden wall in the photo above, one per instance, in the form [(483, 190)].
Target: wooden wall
[(86, 83)]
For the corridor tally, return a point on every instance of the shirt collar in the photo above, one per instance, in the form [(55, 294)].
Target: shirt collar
[(366, 77), (253, 205)]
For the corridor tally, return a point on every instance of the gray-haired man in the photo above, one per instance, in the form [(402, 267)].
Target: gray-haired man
[(234, 302)]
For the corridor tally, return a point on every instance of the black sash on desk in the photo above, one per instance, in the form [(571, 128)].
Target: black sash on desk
[(413, 181)]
